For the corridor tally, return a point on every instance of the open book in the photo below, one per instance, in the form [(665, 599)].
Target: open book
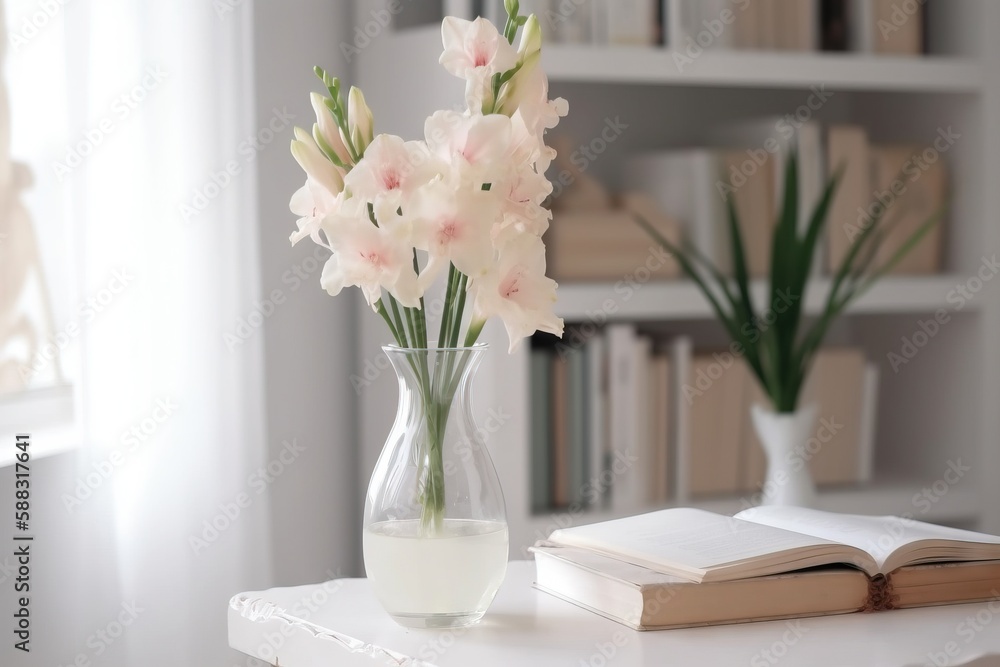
[(767, 562)]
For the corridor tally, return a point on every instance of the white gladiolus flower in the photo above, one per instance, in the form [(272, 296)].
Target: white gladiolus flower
[(453, 225), (312, 203), (372, 258), (517, 291), (390, 167), (475, 51)]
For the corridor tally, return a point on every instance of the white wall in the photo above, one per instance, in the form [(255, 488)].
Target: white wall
[(309, 340)]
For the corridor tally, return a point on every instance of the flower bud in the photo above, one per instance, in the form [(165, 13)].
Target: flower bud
[(326, 133), (314, 163), (359, 119), (531, 39)]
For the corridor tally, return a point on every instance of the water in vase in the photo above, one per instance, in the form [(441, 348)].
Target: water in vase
[(453, 575)]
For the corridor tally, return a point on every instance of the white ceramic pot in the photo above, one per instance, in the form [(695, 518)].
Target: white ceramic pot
[(784, 437)]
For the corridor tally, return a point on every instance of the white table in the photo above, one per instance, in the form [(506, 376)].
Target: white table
[(339, 623)]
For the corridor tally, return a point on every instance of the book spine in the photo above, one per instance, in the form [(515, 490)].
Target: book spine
[(621, 375), (869, 418), (541, 432), (681, 352), (578, 446), (596, 413)]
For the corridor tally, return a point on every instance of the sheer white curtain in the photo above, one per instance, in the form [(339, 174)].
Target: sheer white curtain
[(155, 99)]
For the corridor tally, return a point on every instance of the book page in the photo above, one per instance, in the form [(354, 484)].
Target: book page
[(702, 546), (891, 540)]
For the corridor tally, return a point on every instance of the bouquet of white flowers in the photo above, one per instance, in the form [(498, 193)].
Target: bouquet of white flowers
[(468, 197), (465, 200)]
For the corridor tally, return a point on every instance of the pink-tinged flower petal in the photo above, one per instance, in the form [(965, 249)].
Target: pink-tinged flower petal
[(391, 165), (517, 291), (312, 203), (474, 47), (454, 223), (481, 143)]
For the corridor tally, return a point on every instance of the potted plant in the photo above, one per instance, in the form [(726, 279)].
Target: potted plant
[(780, 353)]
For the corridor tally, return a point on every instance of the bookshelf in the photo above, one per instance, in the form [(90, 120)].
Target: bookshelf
[(938, 409)]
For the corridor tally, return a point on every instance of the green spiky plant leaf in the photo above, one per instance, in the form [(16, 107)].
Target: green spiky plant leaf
[(780, 352)]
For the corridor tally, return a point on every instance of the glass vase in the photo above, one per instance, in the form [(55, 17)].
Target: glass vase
[(435, 528)]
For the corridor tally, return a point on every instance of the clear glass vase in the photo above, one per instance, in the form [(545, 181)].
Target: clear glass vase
[(435, 528)]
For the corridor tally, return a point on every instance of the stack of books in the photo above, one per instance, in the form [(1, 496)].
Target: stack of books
[(685, 567), (627, 421), (907, 181)]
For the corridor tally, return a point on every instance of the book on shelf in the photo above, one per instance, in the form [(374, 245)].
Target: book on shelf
[(834, 22), (915, 189), (766, 144), (898, 181), (541, 451), (737, 24), (685, 567), (626, 372), (887, 27), (847, 149), (596, 414), (662, 468), (609, 244), (561, 418), (713, 398), (684, 184), (625, 22)]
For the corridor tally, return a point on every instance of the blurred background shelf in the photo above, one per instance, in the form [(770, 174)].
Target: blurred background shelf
[(679, 300), (657, 66)]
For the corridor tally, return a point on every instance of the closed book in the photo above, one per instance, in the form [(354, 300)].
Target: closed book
[(869, 422), (753, 461), (752, 192), (561, 493), (607, 245), (579, 447), (627, 22), (898, 28), (626, 495), (574, 24), (834, 25), (641, 486), (848, 151), (714, 395), (706, 24), (836, 386), (681, 356), (917, 189), (541, 432), (661, 469), (768, 143), (801, 24), (596, 413), (767, 24), (746, 28), (862, 34), (683, 183)]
